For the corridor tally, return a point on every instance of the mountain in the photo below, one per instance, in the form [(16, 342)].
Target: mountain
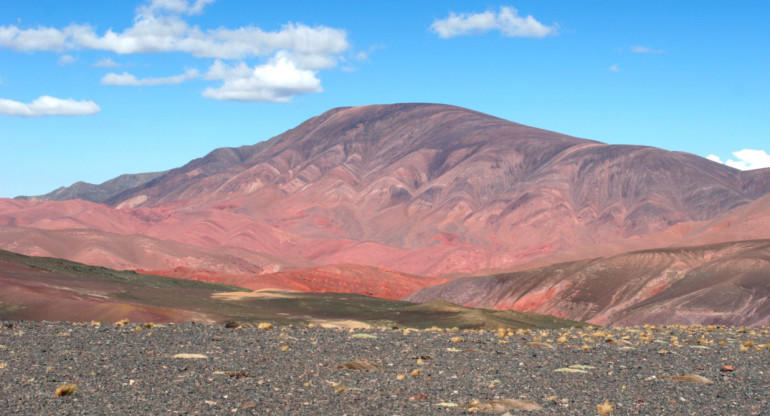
[(727, 284), (429, 188), (96, 193), (409, 189)]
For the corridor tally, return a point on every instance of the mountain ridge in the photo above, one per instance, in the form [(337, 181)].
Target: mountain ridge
[(423, 189)]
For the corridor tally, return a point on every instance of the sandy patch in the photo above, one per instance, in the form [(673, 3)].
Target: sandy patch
[(263, 293), (326, 323)]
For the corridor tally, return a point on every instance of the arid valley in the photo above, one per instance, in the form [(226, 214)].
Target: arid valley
[(218, 207)]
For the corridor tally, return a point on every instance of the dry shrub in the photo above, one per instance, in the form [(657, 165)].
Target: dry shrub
[(503, 405), (234, 325), (613, 341), (457, 339), (605, 408), (540, 345), (691, 378), (66, 390), (239, 374), (360, 364)]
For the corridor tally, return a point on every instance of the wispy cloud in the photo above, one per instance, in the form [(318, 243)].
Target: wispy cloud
[(128, 79), (277, 81), (173, 6), (645, 49), (506, 20), (747, 159), (106, 63), (614, 68), (48, 106), (67, 60), (158, 34)]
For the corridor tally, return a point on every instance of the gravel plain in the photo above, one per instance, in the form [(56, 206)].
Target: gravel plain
[(203, 369)]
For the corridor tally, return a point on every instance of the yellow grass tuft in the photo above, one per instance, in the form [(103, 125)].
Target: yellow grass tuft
[(605, 408), (66, 390), (457, 339), (265, 325), (416, 373), (122, 322)]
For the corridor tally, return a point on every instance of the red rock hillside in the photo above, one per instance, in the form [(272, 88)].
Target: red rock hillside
[(424, 189)]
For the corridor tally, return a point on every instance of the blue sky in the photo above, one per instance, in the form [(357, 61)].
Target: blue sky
[(93, 89)]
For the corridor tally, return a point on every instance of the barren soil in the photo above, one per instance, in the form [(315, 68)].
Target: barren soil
[(197, 369)]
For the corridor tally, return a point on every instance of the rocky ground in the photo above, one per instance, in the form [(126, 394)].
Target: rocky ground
[(299, 370)]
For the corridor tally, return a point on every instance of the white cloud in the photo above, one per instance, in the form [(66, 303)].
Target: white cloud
[(507, 21), (157, 34), (645, 49), (48, 106), (159, 27), (615, 68), (106, 63), (67, 60), (128, 79), (277, 81), (747, 159)]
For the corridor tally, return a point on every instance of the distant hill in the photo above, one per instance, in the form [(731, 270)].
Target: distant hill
[(727, 284), (96, 193), (43, 288)]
